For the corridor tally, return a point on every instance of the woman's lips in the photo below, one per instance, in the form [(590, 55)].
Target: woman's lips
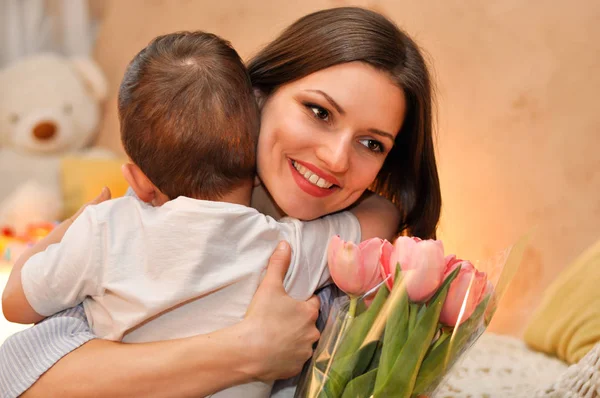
[(309, 187), (315, 170)]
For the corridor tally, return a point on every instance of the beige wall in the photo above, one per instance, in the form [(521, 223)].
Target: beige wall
[(519, 121)]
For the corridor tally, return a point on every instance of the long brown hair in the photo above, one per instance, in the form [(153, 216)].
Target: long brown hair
[(409, 176)]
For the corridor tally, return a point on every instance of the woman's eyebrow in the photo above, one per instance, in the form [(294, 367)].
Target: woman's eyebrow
[(330, 100), (382, 134), (342, 112)]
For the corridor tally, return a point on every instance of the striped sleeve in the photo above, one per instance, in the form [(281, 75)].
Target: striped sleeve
[(28, 354)]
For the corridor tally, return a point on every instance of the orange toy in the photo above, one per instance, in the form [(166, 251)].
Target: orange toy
[(11, 245)]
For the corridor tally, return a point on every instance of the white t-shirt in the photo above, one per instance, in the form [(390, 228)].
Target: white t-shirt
[(146, 273)]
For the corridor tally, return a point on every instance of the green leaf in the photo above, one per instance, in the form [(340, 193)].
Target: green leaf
[(344, 369), (361, 386), (332, 386), (376, 357), (437, 361), (396, 332), (360, 325), (415, 312), (353, 355), (401, 379), (361, 307)]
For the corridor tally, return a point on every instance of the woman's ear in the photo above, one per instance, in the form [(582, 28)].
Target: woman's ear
[(139, 182), (260, 97)]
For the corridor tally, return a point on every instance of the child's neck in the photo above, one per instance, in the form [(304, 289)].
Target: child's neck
[(240, 195)]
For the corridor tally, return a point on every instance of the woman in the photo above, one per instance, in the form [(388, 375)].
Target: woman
[(344, 96)]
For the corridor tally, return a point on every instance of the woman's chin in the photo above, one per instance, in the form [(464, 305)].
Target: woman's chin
[(300, 210), (289, 200)]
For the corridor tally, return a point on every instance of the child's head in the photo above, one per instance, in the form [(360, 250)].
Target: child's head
[(189, 119)]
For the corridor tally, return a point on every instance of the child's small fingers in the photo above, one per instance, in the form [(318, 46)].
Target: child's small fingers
[(104, 195)]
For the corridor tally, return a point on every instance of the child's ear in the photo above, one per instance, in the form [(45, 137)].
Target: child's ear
[(137, 180)]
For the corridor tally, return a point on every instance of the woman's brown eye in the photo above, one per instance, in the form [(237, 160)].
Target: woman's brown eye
[(68, 109), (13, 118), (373, 145), (320, 112)]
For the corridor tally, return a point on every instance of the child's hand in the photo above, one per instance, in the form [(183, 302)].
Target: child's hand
[(15, 306), (105, 195), (57, 233)]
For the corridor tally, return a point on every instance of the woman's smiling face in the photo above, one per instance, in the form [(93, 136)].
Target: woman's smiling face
[(324, 138)]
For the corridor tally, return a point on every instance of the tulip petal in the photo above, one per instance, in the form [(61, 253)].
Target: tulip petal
[(370, 251), (402, 253), (425, 270), (344, 262), (387, 250), (467, 290), (404, 250)]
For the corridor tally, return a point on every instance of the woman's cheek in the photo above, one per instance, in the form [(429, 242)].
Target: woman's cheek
[(364, 171)]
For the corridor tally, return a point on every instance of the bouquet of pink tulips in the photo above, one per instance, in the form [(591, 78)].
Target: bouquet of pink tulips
[(411, 312)]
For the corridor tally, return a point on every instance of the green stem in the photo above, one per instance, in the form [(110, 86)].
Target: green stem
[(441, 339), (412, 316), (353, 304)]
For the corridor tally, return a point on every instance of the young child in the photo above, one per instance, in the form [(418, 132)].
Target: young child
[(188, 255)]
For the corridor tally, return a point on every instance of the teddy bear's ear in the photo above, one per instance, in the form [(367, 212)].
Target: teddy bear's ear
[(92, 75)]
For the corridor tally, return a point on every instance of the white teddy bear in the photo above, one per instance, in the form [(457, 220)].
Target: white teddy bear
[(49, 106)]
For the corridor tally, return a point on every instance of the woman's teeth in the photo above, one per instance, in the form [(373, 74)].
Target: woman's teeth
[(310, 176)]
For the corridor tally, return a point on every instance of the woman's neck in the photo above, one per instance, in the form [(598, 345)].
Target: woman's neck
[(264, 203)]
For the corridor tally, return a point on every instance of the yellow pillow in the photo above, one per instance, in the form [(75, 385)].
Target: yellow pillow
[(567, 322), (82, 179)]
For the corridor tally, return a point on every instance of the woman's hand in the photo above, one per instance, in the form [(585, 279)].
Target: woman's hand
[(280, 329)]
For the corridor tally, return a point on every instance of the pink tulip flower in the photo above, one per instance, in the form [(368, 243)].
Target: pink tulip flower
[(422, 264), (355, 269), (458, 291)]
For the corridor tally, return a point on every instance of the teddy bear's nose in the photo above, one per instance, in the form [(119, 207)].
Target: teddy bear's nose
[(44, 131)]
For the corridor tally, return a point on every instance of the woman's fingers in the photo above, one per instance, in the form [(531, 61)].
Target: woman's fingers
[(271, 286), (313, 304), (283, 329), (278, 265)]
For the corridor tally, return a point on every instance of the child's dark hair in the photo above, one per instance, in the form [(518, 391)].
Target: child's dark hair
[(189, 119)]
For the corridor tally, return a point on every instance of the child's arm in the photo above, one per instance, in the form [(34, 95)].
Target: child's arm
[(378, 217), (15, 306)]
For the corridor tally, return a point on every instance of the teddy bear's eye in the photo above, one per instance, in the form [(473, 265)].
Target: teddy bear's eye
[(13, 118), (68, 109)]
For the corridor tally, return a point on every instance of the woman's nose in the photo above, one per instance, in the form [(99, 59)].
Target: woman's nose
[(335, 154)]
